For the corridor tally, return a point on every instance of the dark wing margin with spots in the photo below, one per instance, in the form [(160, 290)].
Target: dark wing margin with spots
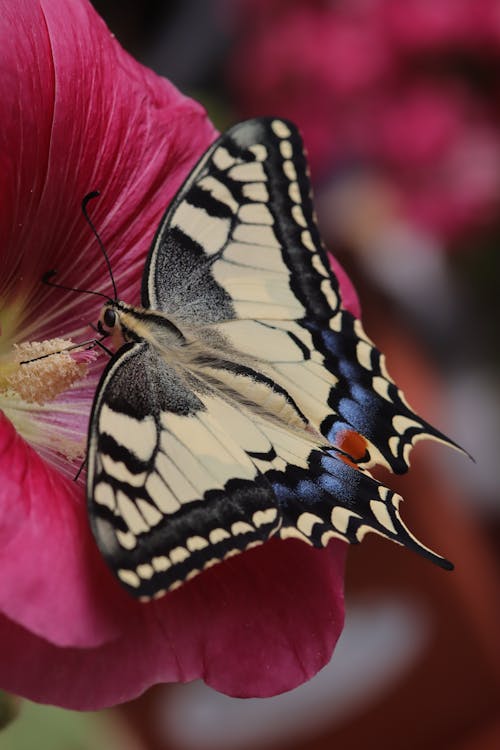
[(336, 500), (366, 401)]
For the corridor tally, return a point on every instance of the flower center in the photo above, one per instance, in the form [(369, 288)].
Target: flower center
[(43, 393), (39, 371)]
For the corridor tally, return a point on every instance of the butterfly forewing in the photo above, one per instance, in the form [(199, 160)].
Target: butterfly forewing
[(240, 240), (256, 426)]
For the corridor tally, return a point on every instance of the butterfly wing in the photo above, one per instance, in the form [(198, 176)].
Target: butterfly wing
[(166, 497), (239, 253), (240, 240), (172, 491)]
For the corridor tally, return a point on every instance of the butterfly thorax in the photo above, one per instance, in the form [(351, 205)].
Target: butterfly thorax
[(199, 353), (126, 323)]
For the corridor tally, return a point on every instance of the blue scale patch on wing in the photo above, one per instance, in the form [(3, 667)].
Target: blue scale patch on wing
[(361, 505)]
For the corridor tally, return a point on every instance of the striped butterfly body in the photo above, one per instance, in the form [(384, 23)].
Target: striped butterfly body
[(243, 402)]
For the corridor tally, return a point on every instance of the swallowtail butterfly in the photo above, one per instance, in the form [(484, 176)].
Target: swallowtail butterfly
[(243, 401)]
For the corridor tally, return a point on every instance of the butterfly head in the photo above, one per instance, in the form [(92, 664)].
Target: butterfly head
[(118, 321)]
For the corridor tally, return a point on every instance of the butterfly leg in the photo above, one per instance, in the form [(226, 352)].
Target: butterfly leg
[(84, 344), (83, 463), (98, 342)]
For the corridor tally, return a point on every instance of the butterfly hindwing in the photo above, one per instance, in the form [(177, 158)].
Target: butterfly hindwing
[(366, 401)]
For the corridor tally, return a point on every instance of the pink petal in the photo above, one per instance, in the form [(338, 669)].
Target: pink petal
[(53, 581), (288, 621), (255, 640), (79, 114), (259, 624), (350, 299)]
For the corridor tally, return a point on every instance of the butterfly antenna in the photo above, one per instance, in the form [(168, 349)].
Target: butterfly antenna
[(48, 275), (85, 201)]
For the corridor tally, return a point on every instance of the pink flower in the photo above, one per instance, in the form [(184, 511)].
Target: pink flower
[(429, 26), (79, 114), (409, 89), (441, 153)]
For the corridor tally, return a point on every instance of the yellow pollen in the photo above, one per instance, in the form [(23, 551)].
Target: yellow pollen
[(40, 380)]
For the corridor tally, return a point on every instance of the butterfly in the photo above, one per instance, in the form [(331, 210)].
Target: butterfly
[(243, 402)]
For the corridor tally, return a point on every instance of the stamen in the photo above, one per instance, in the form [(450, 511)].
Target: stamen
[(42, 380)]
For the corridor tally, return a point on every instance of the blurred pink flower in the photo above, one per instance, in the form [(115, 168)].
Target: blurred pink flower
[(427, 26), (79, 114), (408, 89)]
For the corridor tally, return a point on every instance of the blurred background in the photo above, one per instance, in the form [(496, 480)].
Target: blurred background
[(399, 105)]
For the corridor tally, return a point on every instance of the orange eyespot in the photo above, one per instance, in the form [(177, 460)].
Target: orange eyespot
[(352, 443)]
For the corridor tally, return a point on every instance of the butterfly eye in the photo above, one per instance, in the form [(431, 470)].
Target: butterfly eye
[(109, 318)]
